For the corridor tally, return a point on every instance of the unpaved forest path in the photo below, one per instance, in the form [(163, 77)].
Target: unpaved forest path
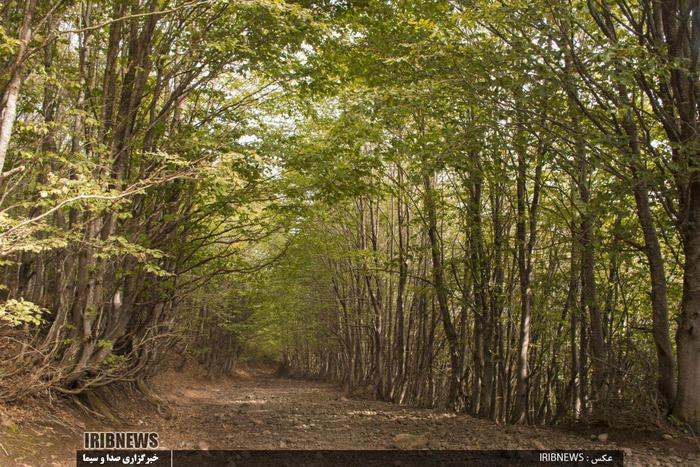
[(263, 412), (272, 413)]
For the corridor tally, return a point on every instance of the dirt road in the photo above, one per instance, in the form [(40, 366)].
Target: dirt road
[(262, 412), (270, 413)]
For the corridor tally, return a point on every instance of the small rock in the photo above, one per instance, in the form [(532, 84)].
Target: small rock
[(593, 437), (409, 441), (538, 445), (283, 445), (603, 437), (6, 421), (667, 436), (203, 446)]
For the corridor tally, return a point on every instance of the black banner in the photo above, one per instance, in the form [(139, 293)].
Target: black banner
[(349, 458)]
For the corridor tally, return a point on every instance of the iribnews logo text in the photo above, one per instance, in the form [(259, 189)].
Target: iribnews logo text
[(120, 440)]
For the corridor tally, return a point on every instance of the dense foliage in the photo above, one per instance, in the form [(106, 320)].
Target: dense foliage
[(490, 205)]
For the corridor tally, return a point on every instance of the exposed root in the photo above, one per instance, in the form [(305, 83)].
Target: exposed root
[(160, 405), (101, 407)]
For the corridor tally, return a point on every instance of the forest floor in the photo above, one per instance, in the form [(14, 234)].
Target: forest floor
[(257, 411)]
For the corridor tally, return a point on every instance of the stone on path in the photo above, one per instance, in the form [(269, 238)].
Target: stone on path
[(539, 445), (409, 441), (7, 422)]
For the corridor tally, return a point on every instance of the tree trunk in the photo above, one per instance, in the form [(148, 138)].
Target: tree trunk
[(666, 377), (8, 112), (589, 287), (441, 291), (687, 406), (525, 246), (521, 389)]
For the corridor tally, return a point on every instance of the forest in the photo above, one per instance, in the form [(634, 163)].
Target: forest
[(486, 206)]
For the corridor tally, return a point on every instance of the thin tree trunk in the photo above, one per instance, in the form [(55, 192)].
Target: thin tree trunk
[(441, 290), (525, 246), (666, 377), (8, 114)]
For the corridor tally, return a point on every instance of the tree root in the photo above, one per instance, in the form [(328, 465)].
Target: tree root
[(98, 405), (160, 405)]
